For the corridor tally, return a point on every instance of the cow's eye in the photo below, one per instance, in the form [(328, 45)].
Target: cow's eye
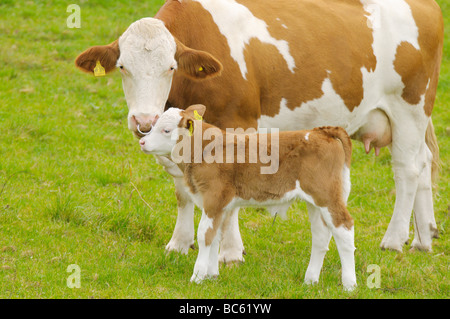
[(166, 131)]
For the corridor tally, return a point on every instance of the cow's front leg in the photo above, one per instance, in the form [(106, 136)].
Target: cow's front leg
[(231, 246), (183, 234)]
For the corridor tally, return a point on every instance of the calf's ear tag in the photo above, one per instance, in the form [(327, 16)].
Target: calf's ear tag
[(99, 70), (191, 128), (197, 116)]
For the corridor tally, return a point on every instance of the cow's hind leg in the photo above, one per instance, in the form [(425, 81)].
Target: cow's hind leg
[(411, 163), (424, 222), (321, 236)]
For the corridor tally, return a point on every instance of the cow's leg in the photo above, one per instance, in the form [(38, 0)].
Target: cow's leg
[(183, 234), (413, 185), (321, 236), (424, 222), (208, 234), (231, 246)]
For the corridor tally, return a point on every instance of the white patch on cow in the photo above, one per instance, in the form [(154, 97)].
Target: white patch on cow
[(393, 23), (239, 26), (307, 136), (329, 109), (284, 26)]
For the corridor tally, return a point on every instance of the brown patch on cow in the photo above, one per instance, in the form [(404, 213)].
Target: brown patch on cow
[(410, 66), (424, 65), (320, 52), (106, 54)]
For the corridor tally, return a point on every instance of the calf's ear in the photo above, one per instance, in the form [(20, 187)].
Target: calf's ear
[(200, 108), (195, 64), (106, 55)]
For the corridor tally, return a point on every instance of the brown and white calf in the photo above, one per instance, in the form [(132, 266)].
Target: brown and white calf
[(313, 165)]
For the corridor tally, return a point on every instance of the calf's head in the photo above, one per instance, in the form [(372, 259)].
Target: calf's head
[(167, 130), (148, 55)]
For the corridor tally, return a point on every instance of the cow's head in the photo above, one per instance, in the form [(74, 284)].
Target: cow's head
[(148, 55)]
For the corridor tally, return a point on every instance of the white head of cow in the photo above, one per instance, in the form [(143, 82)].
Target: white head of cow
[(147, 64), (148, 56)]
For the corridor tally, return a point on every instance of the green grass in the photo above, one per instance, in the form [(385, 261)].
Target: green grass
[(70, 173)]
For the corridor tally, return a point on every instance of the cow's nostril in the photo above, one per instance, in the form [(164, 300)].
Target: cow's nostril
[(142, 142), (143, 123), (141, 132)]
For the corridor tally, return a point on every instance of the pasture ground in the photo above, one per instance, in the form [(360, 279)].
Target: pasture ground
[(73, 180)]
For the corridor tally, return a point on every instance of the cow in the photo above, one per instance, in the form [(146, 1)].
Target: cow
[(369, 66), (313, 165)]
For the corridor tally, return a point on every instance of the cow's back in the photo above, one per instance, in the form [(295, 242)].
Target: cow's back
[(325, 57)]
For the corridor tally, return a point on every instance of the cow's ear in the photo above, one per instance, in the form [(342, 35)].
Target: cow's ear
[(195, 64), (105, 55)]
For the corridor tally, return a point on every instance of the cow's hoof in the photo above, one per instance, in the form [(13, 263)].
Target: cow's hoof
[(418, 246), (179, 247), (391, 245), (232, 257), (198, 279)]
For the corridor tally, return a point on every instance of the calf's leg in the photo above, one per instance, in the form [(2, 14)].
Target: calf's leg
[(321, 236), (345, 241), (208, 234)]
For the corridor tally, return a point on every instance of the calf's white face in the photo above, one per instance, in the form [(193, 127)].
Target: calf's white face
[(164, 134), (147, 64)]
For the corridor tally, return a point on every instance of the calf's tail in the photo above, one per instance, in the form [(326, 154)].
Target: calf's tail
[(340, 134)]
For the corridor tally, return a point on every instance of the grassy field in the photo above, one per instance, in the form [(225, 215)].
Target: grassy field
[(71, 177)]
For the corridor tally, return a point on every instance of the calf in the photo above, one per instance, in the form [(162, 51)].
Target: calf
[(313, 166)]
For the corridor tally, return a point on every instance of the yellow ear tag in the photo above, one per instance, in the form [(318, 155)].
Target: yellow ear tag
[(197, 116), (191, 128), (99, 70), (200, 69)]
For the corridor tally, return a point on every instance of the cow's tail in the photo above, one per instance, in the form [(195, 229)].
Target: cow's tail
[(340, 134), (431, 141)]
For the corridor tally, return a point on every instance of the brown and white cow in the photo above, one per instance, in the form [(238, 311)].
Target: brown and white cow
[(313, 165), (370, 66)]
